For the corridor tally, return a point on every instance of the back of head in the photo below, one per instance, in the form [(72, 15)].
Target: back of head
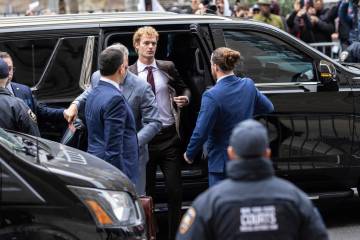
[(110, 60), (4, 55), (4, 71), (144, 31), (249, 139), (205, 2), (121, 47), (225, 58)]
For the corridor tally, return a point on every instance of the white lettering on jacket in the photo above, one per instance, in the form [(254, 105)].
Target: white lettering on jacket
[(259, 218)]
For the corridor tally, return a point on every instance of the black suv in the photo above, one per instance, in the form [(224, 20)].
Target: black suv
[(51, 191), (313, 131)]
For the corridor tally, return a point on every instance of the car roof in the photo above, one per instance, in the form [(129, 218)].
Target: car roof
[(25, 23)]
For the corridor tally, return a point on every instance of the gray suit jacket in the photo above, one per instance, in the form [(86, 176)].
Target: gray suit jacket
[(142, 101)]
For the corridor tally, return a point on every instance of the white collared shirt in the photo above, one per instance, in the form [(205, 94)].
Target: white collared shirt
[(218, 80), (162, 91), (115, 84)]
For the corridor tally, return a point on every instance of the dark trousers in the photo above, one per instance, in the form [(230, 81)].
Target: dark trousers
[(164, 150)]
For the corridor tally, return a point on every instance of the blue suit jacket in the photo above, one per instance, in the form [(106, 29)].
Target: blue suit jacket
[(24, 92), (230, 101), (111, 129)]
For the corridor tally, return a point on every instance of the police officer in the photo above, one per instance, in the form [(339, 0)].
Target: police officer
[(252, 203), (15, 114)]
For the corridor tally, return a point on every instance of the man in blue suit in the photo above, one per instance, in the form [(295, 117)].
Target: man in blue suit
[(230, 101), (24, 92), (110, 122), (141, 99)]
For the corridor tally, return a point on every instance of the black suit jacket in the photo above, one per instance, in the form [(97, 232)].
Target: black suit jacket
[(176, 85)]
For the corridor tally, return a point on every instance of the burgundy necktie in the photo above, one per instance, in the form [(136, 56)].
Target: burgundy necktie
[(150, 78)]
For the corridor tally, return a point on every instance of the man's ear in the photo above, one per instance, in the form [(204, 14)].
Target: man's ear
[(136, 46), (231, 153), (267, 153)]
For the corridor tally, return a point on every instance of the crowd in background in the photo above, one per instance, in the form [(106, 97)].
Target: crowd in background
[(310, 20)]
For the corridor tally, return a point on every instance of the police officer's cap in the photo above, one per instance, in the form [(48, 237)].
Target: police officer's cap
[(249, 139), (4, 69)]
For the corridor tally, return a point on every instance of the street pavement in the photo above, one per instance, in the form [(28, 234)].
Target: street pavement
[(342, 218)]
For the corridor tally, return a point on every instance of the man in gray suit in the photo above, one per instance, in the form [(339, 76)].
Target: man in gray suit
[(142, 101)]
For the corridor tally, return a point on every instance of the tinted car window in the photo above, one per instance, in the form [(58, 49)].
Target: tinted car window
[(267, 59), (63, 74), (30, 58)]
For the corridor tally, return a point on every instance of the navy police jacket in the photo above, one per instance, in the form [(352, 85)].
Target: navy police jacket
[(43, 112), (112, 134), (229, 102), (16, 115), (252, 204)]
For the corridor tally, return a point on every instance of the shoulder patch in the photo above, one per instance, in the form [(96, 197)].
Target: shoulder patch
[(187, 220), (32, 115)]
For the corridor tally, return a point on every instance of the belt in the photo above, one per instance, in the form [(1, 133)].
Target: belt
[(167, 129)]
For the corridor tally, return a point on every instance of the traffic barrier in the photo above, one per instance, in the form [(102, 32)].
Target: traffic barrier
[(331, 49)]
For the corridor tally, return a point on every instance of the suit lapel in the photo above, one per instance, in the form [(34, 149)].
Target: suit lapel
[(128, 87), (164, 69), (133, 69)]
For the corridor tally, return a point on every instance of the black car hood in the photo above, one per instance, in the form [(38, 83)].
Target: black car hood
[(78, 168)]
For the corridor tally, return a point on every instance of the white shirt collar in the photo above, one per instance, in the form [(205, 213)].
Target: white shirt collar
[(141, 66), (110, 81), (8, 86), (218, 80)]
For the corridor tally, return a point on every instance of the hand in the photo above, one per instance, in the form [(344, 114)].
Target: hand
[(181, 101), (70, 113), (301, 12), (188, 160), (314, 19)]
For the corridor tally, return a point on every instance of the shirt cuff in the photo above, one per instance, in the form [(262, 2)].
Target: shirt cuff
[(77, 103)]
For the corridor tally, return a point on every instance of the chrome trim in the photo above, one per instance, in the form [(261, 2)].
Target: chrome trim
[(85, 74)]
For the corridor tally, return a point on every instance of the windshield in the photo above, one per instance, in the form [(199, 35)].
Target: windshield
[(9, 140)]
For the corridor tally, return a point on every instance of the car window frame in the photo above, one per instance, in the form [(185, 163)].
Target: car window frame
[(219, 29)]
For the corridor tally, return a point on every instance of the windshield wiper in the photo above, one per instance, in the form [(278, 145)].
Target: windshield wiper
[(27, 150)]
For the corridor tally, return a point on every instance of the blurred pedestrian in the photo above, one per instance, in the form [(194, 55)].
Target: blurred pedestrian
[(230, 101), (323, 22), (253, 203), (15, 114), (223, 8), (348, 14), (266, 16), (241, 10), (349, 18), (205, 7), (299, 21), (195, 5), (255, 9)]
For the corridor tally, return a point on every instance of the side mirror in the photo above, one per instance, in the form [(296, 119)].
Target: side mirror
[(327, 72)]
